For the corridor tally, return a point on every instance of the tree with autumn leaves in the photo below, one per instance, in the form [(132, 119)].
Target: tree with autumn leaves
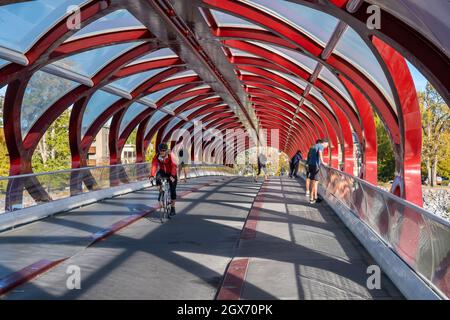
[(436, 135)]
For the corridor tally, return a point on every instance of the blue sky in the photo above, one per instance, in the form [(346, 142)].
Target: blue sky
[(419, 80)]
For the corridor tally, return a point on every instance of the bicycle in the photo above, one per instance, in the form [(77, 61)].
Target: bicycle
[(165, 200)]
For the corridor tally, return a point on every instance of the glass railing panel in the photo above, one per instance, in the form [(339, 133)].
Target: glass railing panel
[(420, 238)]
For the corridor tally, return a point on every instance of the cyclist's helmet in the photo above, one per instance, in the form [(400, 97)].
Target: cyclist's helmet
[(162, 147)]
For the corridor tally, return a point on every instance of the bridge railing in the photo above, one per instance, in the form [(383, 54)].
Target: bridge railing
[(28, 190), (420, 238)]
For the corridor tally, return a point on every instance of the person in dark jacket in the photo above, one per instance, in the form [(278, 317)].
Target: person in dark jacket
[(295, 161)]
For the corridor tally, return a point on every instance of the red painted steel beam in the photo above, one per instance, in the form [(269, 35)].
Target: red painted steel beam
[(136, 94), (286, 83), (202, 111), (410, 177), (185, 33), (143, 115), (369, 171), (316, 126), (99, 40), (296, 70), (313, 49), (189, 104)]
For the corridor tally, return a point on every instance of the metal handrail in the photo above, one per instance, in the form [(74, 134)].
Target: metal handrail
[(93, 168), (392, 196)]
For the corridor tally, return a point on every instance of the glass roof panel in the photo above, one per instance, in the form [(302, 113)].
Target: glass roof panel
[(155, 55), (172, 106), (201, 118), (155, 96), (23, 23), (3, 63), (97, 104), (352, 48), (89, 62), (133, 110), (117, 20), (297, 81), (186, 113), (302, 60), (42, 91), (132, 82), (247, 73), (200, 86), (157, 116), (172, 124), (225, 19), (291, 93), (316, 93), (302, 17), (237, 52), (187, 73), (332, 80), (187, 125)]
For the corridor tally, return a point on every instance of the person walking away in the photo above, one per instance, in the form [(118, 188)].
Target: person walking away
[(295, 161), (164, 166), (315, 159), (262, 163), (182, 164)]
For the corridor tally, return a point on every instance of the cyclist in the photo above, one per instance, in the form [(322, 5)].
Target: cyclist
[(165, 163)]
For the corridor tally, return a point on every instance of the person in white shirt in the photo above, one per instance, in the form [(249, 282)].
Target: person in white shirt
[(182, 164)]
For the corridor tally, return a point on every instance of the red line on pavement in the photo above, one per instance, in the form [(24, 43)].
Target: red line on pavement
[(249, 231), (234, 280), (28, 273), (17, 278), (105, 233)]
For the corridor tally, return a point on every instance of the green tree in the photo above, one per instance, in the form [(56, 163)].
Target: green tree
[(42, 90), (2, 101), (435, 137), (4, 160), (283, 162), (443, 167), (132, 137), (385, 154), (151, 151), (53, 151)]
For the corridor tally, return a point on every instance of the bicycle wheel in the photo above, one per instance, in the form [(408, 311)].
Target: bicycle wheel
[(162, 206), (168, 202)]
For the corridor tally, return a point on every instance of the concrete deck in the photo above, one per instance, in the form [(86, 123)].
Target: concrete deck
[(293, 250)]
